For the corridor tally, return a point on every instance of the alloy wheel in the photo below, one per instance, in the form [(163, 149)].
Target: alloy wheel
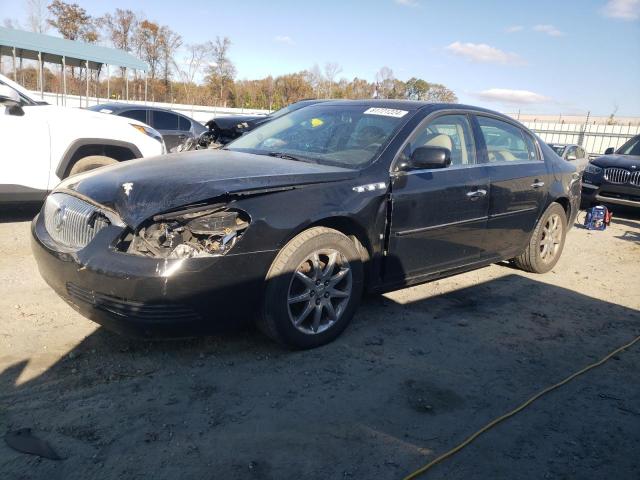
[(319, 291), (551, 238)]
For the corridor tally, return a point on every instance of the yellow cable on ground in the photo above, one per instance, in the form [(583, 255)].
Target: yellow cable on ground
[(493, 423)]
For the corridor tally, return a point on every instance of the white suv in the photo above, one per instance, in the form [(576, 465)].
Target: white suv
[(41, 144)]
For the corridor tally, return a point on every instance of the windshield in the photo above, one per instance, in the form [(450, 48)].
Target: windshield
[(343, 135), (632, 147), (558, 149)]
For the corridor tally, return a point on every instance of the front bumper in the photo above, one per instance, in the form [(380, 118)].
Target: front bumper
[(140, 296), (603, 192)]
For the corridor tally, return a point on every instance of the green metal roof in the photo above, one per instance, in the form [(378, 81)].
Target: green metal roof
[(28, 44)]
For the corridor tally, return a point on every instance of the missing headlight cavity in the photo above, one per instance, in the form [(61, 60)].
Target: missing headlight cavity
[(191, 233)]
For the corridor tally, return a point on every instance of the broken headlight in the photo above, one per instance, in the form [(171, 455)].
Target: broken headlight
[(190, 233)]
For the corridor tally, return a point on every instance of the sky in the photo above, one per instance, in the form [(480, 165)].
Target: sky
[(543, 56)]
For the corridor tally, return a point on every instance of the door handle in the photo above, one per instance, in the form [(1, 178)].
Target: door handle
[(476, 194), (537, 184)]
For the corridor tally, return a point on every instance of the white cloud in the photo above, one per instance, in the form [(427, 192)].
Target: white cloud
[(514, 28), (549, 30), (283, 39), (483, 53), (622, 9), (513, 97), (407, 3)]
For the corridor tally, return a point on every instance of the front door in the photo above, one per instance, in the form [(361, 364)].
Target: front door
[(519, 185), (438, 216), (26, 157)]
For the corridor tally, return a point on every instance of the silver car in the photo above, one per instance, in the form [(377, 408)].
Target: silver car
[(572, 153)]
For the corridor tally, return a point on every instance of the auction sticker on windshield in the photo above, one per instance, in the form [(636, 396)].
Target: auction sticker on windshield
[(387, 112)]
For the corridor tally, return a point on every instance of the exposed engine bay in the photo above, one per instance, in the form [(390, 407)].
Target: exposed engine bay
[(196, 232)]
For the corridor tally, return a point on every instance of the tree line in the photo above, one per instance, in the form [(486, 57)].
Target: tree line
[(196, 73)]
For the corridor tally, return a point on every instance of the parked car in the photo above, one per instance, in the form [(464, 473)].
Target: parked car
[(227, 128), (174, 127), (572, 153), (43, 144), (614, 177), (293, 221)]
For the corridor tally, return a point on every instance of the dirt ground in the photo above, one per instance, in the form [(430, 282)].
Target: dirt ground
[(417, 371)]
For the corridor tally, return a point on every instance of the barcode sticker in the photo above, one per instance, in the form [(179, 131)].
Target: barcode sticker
[(387, 112)]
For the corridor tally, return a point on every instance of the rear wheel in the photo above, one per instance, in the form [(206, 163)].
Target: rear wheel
[(89, 163), (546, 242), (313, 289)]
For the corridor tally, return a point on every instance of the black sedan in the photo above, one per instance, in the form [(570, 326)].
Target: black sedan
[(291, 223), (227, 128), (174, 127), (614, 177)]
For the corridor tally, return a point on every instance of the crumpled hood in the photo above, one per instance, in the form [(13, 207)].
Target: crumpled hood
[(139, 189), (615, 160)]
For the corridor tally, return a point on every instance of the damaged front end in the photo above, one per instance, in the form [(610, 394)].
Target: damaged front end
[(204, 231)]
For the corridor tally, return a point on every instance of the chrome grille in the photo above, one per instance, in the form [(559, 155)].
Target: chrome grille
[(617, 175), (72, 222), (635, 179)]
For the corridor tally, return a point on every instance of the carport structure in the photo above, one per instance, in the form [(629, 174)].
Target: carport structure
[(67, 53)]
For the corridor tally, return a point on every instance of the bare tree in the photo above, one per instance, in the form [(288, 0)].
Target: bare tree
[(198, 55), (121, 29), (171, 41), (315, 77), (331, 71), (221, 71), (384, 82), (37, 15)]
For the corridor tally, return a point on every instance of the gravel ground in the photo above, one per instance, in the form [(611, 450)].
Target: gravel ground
[(417, 371)]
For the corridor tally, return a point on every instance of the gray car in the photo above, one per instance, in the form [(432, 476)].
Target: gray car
[(572, 153), (174, 127)]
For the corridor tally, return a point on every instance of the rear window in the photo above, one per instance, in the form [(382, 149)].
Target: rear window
[(184, 124), (165, 121)]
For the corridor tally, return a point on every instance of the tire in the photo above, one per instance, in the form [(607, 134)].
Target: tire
[(546, 242), (89, 163), (334, 289)]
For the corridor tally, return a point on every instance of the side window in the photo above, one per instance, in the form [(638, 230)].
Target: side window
[(580, 153), (164, 121), (184, 124), (140, 115), (571, 154), (506, 142), (449, 131)]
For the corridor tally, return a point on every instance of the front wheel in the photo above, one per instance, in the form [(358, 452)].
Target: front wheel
[(546, 242), (89, 163), (313, 289)]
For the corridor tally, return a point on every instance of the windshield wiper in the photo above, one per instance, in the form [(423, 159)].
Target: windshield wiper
[(287, 156)]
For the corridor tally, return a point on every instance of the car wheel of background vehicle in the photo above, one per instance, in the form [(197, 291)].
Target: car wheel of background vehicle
[(89, 163), (313, 289), (546, 243)]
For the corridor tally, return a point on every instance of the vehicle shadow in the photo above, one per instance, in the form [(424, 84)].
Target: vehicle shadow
[(409, 379)]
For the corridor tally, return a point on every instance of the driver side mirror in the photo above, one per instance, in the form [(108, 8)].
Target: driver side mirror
[(609, 151), (427, 157), (571, 156), (11, 100)]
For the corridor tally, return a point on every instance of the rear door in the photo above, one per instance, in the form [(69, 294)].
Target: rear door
[(438, 216), (519, 184), (168, 124)]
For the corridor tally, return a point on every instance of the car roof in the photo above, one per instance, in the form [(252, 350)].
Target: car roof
[(121, 107), (412, 105)]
